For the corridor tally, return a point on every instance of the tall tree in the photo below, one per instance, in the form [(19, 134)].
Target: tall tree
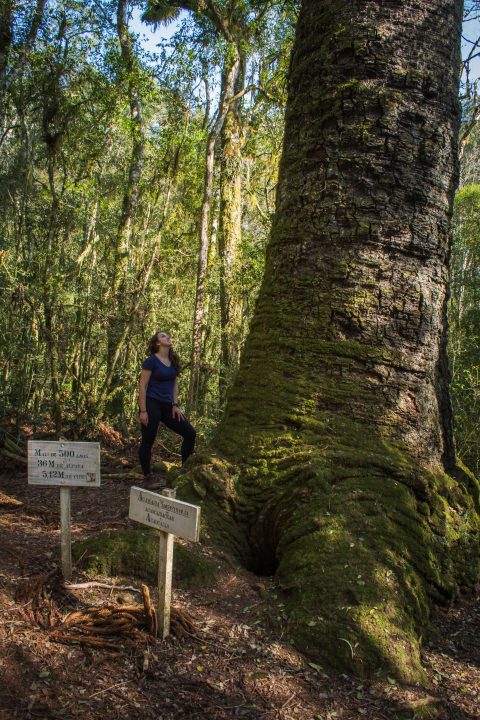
[(334, 465)]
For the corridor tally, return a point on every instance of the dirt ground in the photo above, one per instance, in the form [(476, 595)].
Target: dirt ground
[(236, 664)]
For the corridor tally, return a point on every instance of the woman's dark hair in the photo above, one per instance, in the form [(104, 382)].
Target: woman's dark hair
[(172, 356)]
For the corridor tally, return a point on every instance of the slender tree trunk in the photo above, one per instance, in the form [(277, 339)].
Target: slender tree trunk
[(49, 298), (130, 200), (81, 300), (6, 35), (53, 127), (228, 89), (120, 318), (330, 466), (35, 24), (230, 237)]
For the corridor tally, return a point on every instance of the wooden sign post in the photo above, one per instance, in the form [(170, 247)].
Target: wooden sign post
[(66, 532), (65, 464), (171, 517)]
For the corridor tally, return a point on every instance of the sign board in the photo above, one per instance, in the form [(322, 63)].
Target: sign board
[(68, 464), (165, 513)]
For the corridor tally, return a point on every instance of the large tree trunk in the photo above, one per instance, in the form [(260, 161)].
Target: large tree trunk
[(331, 462)]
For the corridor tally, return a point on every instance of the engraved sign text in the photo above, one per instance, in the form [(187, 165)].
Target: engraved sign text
[(167, 514), (70, 464)]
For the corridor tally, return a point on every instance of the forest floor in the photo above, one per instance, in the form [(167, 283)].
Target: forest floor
[(236, 664)]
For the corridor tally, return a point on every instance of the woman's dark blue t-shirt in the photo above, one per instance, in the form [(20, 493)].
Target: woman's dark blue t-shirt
[(162, 380)]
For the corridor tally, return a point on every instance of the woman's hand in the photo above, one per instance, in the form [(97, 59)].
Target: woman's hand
[(177, 413), (144, 418)]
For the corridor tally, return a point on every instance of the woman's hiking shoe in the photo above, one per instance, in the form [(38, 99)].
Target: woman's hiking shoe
[(153, 482)]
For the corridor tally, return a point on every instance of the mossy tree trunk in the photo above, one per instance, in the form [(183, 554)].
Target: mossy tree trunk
[(334, 463)]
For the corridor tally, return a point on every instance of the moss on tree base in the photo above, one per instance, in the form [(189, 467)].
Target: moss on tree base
[(134, 552), (360, 538)]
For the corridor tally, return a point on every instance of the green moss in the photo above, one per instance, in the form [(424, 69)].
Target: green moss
[(349, 85), (134, 552)]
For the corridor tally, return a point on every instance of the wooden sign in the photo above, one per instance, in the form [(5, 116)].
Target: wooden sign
[(171, 517), (68, 464), (165, 513), (65, 464)]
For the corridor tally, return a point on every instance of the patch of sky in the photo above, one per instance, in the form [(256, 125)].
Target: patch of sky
[(151, 37), (177, 57), (470, 45), (161, 44)]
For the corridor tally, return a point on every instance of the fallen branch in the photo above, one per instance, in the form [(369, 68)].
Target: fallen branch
[(13, 456), (9, 502), (128, 475), (9, 443), (149, 611), (83, 586), (100, 692), (13, 447), (15, 609)]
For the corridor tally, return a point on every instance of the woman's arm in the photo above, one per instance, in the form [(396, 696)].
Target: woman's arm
[(142, 395), (176, 412)]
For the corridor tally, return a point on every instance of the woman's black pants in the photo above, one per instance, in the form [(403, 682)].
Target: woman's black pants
[(162, 412)]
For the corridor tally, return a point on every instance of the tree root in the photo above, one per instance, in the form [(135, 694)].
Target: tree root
[(41, 597), (181, 624)]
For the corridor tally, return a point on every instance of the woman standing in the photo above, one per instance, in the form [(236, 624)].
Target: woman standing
[(158, 402)]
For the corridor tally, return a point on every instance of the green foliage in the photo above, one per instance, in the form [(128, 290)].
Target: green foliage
[(161, 12), (464, 315), (75, 293)]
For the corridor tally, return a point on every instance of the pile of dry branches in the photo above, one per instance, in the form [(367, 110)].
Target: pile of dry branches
[(108, 626)]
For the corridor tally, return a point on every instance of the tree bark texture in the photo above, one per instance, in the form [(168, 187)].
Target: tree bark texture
[(334, 464)]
